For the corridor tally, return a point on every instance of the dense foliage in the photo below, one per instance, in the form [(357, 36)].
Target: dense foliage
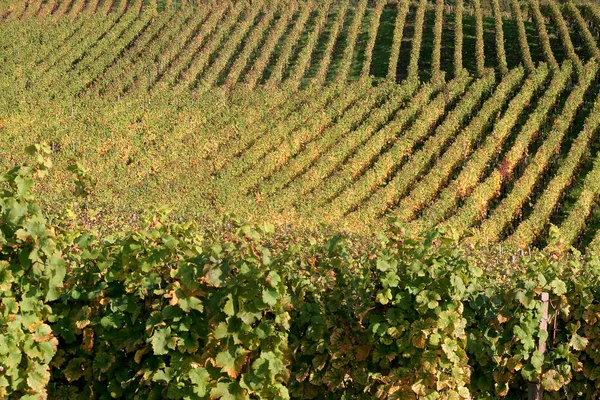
[(171, 311), (252, 106)]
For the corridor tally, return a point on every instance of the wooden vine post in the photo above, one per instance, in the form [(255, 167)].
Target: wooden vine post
[(536, 392)]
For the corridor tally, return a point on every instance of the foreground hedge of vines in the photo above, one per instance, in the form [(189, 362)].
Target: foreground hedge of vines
[(171, 311)]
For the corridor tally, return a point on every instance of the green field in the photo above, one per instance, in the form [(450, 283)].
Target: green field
[(303, 113)]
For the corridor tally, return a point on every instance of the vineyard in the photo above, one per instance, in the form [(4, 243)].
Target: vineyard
[(481, 118), (307, 199)]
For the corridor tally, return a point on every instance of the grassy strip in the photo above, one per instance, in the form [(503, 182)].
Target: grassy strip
[(438, 28)]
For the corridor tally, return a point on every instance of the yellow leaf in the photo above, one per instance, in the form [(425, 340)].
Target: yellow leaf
[(88, 341), (139, 354)]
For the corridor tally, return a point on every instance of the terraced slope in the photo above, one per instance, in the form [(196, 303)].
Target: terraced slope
[(464, 116)]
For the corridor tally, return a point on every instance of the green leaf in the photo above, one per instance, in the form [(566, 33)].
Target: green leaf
[(215, 274), (270, 297), (24, 184), (4, 346), (562, 350), (6, 276), (525, 298), (199, 378), (419, 388), (75, 369), (268, 228), (558, 287), (391, 280), (16, 212), (57, 274), (537, 360), (228, 308), (594, 374), (273, 279), (268, 364), (221, 331), (32, 149), (47, 351), (384, 296), (383, 265), (191, 303), (228, 391), (161, 376), (266, 256), (103, 361), (543, 336), (159, 340), (10, 305), (529, 373), (29, 304), (458, 284), (525, 337), (111, 321), (187, 343), (435, 340)]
